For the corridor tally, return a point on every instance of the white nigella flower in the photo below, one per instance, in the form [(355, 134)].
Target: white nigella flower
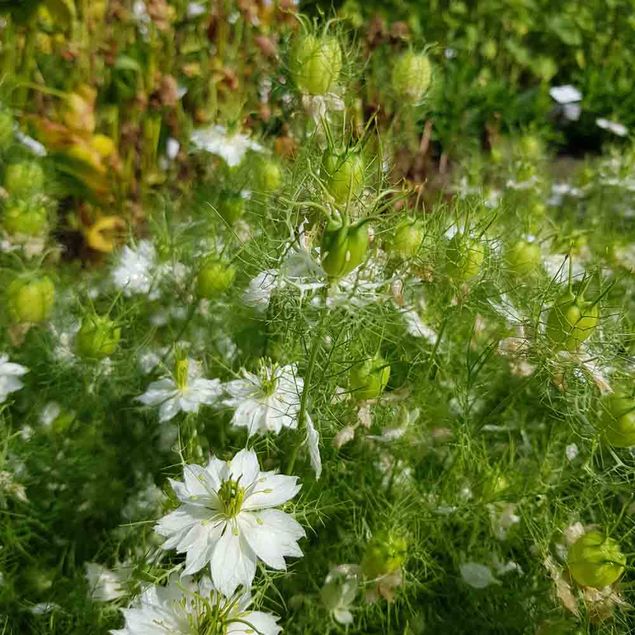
[(267, 401), (10, 374), (134, 272), (612, 126), (183, 392), (568, 98), (231, 147), (105, 584), (185, 607), (228, 517)]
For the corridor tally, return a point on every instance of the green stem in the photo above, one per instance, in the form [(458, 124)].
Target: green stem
[(315, 348)]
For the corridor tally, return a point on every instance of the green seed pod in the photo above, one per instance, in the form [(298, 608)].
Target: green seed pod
[(595, 560), (343, 248), (315, 63), (558, 627), (617, 420), (571, 321), (6, 129), (411, 77), (26, 217), (523, 259), (368, 379), (384, 554), (343, 174), (231, 207), (98, 337), (268, 175), (407, 239), (214, 278), (24, 177), (30, 298), (464, 257)]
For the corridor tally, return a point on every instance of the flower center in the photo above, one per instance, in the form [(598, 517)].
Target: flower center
[(268, 379), (181, 373), (231, 496)]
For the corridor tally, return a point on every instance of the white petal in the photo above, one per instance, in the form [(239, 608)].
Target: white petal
[(169, 409), (233, 562), (271, 490), (257, 622), (313, 443), (244, 466), (272, 534)]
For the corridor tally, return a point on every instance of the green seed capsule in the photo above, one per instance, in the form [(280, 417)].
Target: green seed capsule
[(268, 176), (214, 278), (595, 560), (343, 175), (617, 420), (523, 259), (30, 299), (315, 63), (407, 239), (411, 77), (24, 177), (464, 258), (343, 248), (368, 379), (571, 321), (231, 207), (25, 217), (98, 337), (384, 554)]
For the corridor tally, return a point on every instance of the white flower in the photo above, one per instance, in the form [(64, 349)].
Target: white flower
[(477, 575), (230, 147), (134, 272), (339, 591), (105, 584), (10, 374), (228, 518), (416, 327), (184, 392), (566, 94), (184, 607), (612, 126), (258, 293), (268, 401)]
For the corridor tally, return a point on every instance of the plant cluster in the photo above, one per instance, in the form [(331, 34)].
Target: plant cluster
[(277, 355)]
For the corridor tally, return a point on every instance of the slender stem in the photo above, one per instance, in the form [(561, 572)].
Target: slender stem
[(315, 348)]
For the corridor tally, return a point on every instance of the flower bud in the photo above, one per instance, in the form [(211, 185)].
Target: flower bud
[(571, 321), (464, 258), (98, 337), (315, 63), (30, 298), (368, 379), (617, 420), (343, 248), (523, 259), (214, 278), (411, 77), (407, 238), (343, 174), (25, 217), (23, 177), (231, 207), (384, 554), (595, 560)]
